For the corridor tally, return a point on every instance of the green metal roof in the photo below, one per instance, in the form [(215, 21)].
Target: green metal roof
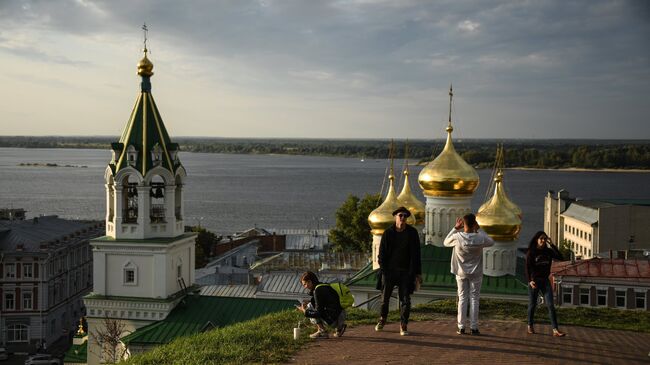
[(77, 354), (145, 130), (436, 275), (198, 313)]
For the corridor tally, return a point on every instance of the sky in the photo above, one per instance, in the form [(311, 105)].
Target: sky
[(330, 69)]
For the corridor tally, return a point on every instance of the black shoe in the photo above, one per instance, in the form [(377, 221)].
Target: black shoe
[(460, 331), (339, 332), (476, 332)]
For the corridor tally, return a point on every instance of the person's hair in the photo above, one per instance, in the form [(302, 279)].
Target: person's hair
[(309, 276), (532, 245), (469, 220)]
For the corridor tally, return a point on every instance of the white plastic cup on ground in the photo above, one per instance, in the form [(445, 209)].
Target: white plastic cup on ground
[(296, 333)]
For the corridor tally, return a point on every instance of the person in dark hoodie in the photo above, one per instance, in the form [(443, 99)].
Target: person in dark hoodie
[(324, 308), (540, 255), (399, 265)]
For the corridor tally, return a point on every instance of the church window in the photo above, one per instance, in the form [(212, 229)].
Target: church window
[(157, 199), (156, 154), (131, 155), (130, 274), (130, 196)]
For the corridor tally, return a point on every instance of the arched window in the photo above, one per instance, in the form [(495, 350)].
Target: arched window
[(178, 192), (17, 333), (157, 196), (130, 199), (131, 155)]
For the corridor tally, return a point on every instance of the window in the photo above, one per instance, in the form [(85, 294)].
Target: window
[(179, 271), (27, 300), (584, 296), (129, 273), (567, 295), (601, 297), (10, 270), (620, 298), (10, 301), (590, 237), (129, 276), (640, 300), (17, 333), (28, 270)]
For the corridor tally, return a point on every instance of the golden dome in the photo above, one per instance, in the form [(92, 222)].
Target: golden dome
[(407, 199), (500, 217), (145, 67), (448, 174), (382, 217)]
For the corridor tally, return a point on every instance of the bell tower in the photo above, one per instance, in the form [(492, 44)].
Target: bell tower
[(144, 264)]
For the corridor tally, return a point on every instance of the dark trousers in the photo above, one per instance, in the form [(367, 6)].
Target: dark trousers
[(543, 286), (402, 280)]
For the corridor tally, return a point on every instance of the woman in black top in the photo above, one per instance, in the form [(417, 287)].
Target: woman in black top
[(540, 255)]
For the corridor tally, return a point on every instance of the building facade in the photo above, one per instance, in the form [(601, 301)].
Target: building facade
[(591, 227), (45, 270), (613, 283)]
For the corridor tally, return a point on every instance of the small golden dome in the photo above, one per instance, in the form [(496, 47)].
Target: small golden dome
[(145, 67), (448, 174), (500, 217), (382, 217), (407, 199)]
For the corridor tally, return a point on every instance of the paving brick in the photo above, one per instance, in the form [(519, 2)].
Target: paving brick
[(500, 342)]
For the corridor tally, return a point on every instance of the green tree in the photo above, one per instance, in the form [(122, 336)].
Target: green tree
[(352, 232), (565, 250), (203, 246)]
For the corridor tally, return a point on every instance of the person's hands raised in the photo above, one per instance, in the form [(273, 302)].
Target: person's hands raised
[(459, 223)]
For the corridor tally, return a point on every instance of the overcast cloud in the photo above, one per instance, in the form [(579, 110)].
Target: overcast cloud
[(340, 69)]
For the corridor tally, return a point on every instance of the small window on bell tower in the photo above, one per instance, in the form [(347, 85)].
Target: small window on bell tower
[(131, 155), (156, 154)]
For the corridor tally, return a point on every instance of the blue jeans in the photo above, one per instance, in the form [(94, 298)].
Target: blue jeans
[(547, 291)]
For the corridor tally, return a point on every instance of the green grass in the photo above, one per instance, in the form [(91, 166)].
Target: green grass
[(269, 339)]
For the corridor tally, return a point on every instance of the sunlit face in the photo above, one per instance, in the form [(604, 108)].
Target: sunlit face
[(400, 219), (307, 284), (541, 241)]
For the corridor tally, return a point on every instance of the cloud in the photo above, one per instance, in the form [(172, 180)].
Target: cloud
[(468, 26), (373, 52)]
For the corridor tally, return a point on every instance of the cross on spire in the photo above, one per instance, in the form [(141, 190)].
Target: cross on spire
[(145, 30)]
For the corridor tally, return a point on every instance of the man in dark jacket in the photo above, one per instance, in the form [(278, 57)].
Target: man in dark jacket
[(399, 265), (324, 307)]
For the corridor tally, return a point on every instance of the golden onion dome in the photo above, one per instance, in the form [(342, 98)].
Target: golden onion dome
[(407, 199), (499, 217), (145, 67), (382, 217), (448, 174), (507, 202)]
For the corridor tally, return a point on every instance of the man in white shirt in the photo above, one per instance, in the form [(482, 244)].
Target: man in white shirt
[(468, 241)]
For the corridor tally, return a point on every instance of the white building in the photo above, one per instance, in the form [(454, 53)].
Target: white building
[(145, 261), (597, 226)]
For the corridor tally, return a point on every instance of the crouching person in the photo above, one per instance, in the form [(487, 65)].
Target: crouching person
[(324, 309)]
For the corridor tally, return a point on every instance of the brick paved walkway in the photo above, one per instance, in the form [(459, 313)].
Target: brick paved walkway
[(501, 342)]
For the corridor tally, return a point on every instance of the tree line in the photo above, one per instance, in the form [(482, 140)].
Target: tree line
[(590, 154)]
